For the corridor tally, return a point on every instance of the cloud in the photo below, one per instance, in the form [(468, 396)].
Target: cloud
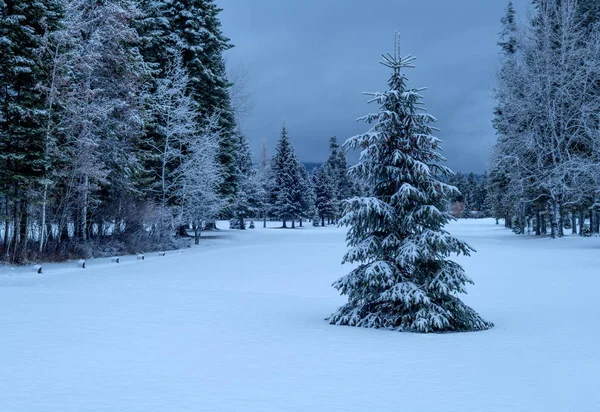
[(309, 61)]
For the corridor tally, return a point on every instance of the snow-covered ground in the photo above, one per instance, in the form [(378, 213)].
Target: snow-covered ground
[(237, 324)]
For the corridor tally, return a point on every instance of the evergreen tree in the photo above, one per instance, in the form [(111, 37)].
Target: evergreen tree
[(404, 280), (481, 195), (307, 196), (194, 27), (326, 198), (285, 182), (339, 168), (198, 29), (24, 104)]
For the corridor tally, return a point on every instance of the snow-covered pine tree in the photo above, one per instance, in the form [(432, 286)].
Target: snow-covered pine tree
[(24, 78), (326, 197), (339, 167), (263, 176), (194, 27), (248, 197), (481, 195), (306, 196), (469, 193), (198, 29), (404, 280), (284, 186), (200, 200), (103, 120)]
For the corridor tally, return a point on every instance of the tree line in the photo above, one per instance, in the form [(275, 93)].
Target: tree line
[(285, 190), (118, 125), (545, 164)]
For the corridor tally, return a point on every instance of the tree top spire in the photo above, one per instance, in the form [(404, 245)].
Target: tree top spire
[(395, 61)]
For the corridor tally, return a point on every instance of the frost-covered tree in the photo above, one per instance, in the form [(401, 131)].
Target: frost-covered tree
[(285, 182), (338, 168), (546, 115), (248, 197), (263, 176), (404, 280), (200, 200), (174, 122), (103, 120), (25, 77), (326, 193), (306, 195)]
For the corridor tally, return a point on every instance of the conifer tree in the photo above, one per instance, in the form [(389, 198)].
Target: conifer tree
[(307, 197), (404, 280), (23, 103), (249, 194), (194, 27), (325, 187), (284, 198)]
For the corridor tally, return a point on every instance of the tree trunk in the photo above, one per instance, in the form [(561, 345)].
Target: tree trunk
[(182, 231), (543, 226), (559, 218), (265, 221), (581, 222), (84, 209), (49, 235), (293, 223), (284, 225), (573, 223), (538, 226), (322, 221), (197, 233), (591, 222), (23, 224), (43, 224), (300, 223), (522, 220), (211, 225)]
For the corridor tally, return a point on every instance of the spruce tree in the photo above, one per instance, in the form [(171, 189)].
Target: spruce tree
[(326, 193), (248, 197), (284, 187), (404, 280), (193, 26), (307, 197), (24, 76)]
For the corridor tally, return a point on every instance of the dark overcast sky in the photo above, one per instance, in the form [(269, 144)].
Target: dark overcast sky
[(309, 61)]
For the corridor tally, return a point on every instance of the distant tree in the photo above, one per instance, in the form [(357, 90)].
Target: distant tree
[(248, 197), (285, 182), (326, 194)]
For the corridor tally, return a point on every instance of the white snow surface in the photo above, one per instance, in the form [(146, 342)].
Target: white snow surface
[(237, 324)]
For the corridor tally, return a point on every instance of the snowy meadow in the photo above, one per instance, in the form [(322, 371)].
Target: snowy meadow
[(237, 324)]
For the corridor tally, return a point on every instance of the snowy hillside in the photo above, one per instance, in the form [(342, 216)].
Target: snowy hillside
[(237, 324)]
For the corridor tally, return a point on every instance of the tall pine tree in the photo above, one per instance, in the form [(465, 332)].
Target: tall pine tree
[(24, 75), (285, 182), (404, 280)]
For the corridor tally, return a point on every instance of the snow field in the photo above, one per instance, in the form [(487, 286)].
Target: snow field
[(237, 324)]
